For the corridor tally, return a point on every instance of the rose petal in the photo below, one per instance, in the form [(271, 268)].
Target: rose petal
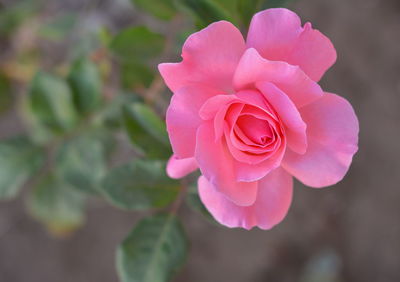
[(252, 167), (183, 118), (264, 114), (278, 36), (243, 157), (213, 105), (178, 168), (273, 33), (332, 129), (251, 170), (290, 116), (254, 98), (257, 130), (218, 166), (219, 119), (243, 143), (245, 167), (216, 108), (313, 52), (210, 57), (231, 116), (272, 204), (290, 79)]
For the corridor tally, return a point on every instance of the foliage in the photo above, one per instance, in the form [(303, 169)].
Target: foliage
[(133, 47), (5, 93), (77, 109), (140, 185), (50, 100), (154, 250), (19, 160), (146, 131), (85, 81), (82, 161), (56, 205)]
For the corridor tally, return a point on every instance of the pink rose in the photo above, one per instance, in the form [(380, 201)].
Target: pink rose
[(251, 115)]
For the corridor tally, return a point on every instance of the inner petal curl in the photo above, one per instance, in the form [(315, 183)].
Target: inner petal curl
[(257, 130)]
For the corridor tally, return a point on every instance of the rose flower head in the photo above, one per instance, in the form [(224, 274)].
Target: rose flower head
[(251, 116)]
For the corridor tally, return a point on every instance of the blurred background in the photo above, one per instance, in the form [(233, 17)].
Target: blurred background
[(350, 232)]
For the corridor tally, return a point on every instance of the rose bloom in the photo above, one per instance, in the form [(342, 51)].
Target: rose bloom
[(251, 115)]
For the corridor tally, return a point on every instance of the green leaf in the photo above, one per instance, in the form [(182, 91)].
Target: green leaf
[(135, 75), (50, 101), (207, 11), (239, 12), (19, 160), (148, 119), (247, 8), (39, 133), (134, 48), (5, 94), (274, 3), (194, 202), (137, 44), (146, 131), (57, 205), (230, 7), (110, 116), (86, 84), (162, 9), (140, 185), (154, 250), (82, 161)]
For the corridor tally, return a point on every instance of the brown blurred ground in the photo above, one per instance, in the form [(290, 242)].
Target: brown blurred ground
[(351, 231)]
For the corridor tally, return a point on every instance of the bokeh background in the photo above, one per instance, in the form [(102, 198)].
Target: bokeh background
[(346, 233)]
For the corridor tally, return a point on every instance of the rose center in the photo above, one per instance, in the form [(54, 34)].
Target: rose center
[(258, 131)]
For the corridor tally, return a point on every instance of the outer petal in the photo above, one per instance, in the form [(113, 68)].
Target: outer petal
[(178, 168), (290, 79), (210, 57), (332, 141), (273, 201), (313, 52), (277, 35), (183, 118), (274, 32), (290, 116), (218, 166)]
